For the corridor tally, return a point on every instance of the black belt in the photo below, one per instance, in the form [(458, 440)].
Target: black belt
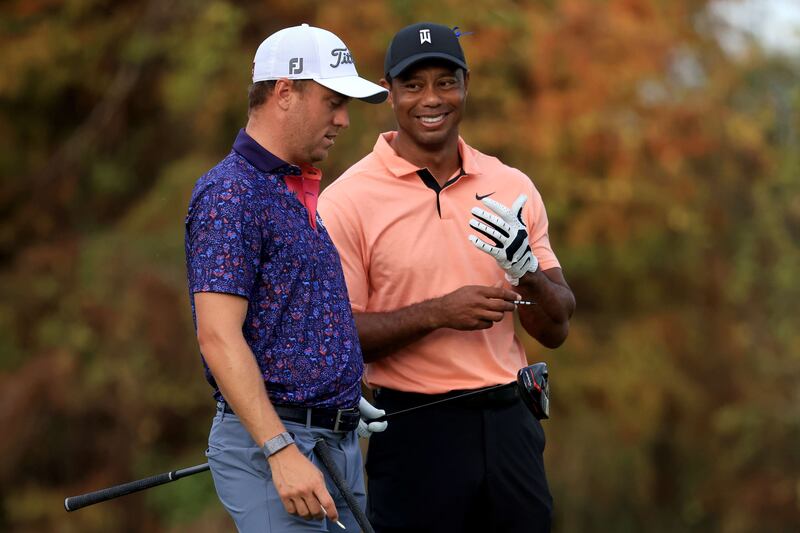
[(337, 420), (478, 398)]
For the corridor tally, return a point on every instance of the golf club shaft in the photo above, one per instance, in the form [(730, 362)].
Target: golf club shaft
[(444, 400), (321, 448), (73, 503)]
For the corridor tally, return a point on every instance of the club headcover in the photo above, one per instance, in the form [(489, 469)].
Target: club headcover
[(534, 388)]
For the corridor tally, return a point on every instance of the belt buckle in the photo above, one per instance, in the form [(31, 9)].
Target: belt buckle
[(339, 413)]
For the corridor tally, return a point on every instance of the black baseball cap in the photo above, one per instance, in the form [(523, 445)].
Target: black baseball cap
[(424, 40)]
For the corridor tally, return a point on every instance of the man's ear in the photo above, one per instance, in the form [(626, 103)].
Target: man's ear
[(388, 86), (466, 82), (283, 93)]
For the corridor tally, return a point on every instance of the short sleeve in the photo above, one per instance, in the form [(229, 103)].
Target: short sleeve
[(347, 234), (536, 220), (223, 239)]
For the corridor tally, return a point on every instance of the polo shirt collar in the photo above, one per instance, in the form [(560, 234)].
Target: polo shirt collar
[(400, 167), (256, 155)]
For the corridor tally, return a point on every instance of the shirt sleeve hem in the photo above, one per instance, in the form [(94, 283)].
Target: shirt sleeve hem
[(548, 264), (235, 291)]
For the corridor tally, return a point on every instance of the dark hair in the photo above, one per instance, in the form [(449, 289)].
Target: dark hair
[(259, 91)]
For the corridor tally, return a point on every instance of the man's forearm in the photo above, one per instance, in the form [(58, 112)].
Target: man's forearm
[(548, 320), (239, 379), (383, 333), (299, 483)]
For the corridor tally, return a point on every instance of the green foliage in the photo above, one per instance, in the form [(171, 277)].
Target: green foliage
[(670, 174)]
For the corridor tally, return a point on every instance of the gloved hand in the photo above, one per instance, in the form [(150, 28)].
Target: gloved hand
[(511, 249), (369, 412)]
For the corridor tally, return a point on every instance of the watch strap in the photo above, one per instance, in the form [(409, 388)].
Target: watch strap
[(277, 443)]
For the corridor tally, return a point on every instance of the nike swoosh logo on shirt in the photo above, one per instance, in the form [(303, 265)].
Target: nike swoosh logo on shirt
[(479, 197)]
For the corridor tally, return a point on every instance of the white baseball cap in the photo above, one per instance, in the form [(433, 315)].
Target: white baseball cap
[(308, 53)]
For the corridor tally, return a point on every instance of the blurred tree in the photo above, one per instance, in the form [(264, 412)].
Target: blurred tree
[(670, 174)]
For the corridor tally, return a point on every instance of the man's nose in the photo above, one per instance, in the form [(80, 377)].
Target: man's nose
[(341, 118), (430, 96)]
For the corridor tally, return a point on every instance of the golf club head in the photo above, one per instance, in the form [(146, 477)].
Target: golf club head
[(534, 388)]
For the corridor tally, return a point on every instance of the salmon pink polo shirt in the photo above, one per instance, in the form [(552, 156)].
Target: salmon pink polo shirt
[(402, 239)]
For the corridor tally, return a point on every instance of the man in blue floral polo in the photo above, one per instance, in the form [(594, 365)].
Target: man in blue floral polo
[(269, 300)]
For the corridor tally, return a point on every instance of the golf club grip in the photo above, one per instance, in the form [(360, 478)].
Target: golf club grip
[(322, 451), (74, 503)]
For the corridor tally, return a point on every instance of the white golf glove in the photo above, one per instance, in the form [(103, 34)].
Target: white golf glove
[(511, 249), (369, 412)]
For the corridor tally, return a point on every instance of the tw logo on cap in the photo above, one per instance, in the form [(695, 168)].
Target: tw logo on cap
[(425, 36)]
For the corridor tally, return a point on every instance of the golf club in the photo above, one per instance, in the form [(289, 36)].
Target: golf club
[(532, 383), (322, 451), (73, 503)]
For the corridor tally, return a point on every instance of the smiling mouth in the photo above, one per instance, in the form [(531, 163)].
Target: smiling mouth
[(331, 138), (432, 120)]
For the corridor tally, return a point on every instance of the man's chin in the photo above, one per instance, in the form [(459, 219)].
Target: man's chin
[(432, 138), (318, 155)]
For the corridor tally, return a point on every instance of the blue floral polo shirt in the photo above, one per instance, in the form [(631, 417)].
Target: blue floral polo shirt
[(247, 234)]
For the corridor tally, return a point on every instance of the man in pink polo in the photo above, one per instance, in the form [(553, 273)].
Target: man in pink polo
[(437, 241)]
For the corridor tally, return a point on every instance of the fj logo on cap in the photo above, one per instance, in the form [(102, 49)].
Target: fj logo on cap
[(425, 36), (342, 56), (295, 65)]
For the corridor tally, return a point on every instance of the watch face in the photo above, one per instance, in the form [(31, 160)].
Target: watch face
[(277, 443)]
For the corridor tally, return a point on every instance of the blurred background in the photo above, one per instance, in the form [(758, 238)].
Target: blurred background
[(662, 134)]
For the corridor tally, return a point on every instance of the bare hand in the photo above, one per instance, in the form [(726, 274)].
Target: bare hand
[(475, 307), (301, 486)]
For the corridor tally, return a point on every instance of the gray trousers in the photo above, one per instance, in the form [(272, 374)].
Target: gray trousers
[(243, 480)]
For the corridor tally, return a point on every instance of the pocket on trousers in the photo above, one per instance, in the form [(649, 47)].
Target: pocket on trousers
[(339, 459), (214, 437), (227, 433)]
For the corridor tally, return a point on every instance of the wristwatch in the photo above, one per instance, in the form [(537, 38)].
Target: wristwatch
[(277, 443)]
